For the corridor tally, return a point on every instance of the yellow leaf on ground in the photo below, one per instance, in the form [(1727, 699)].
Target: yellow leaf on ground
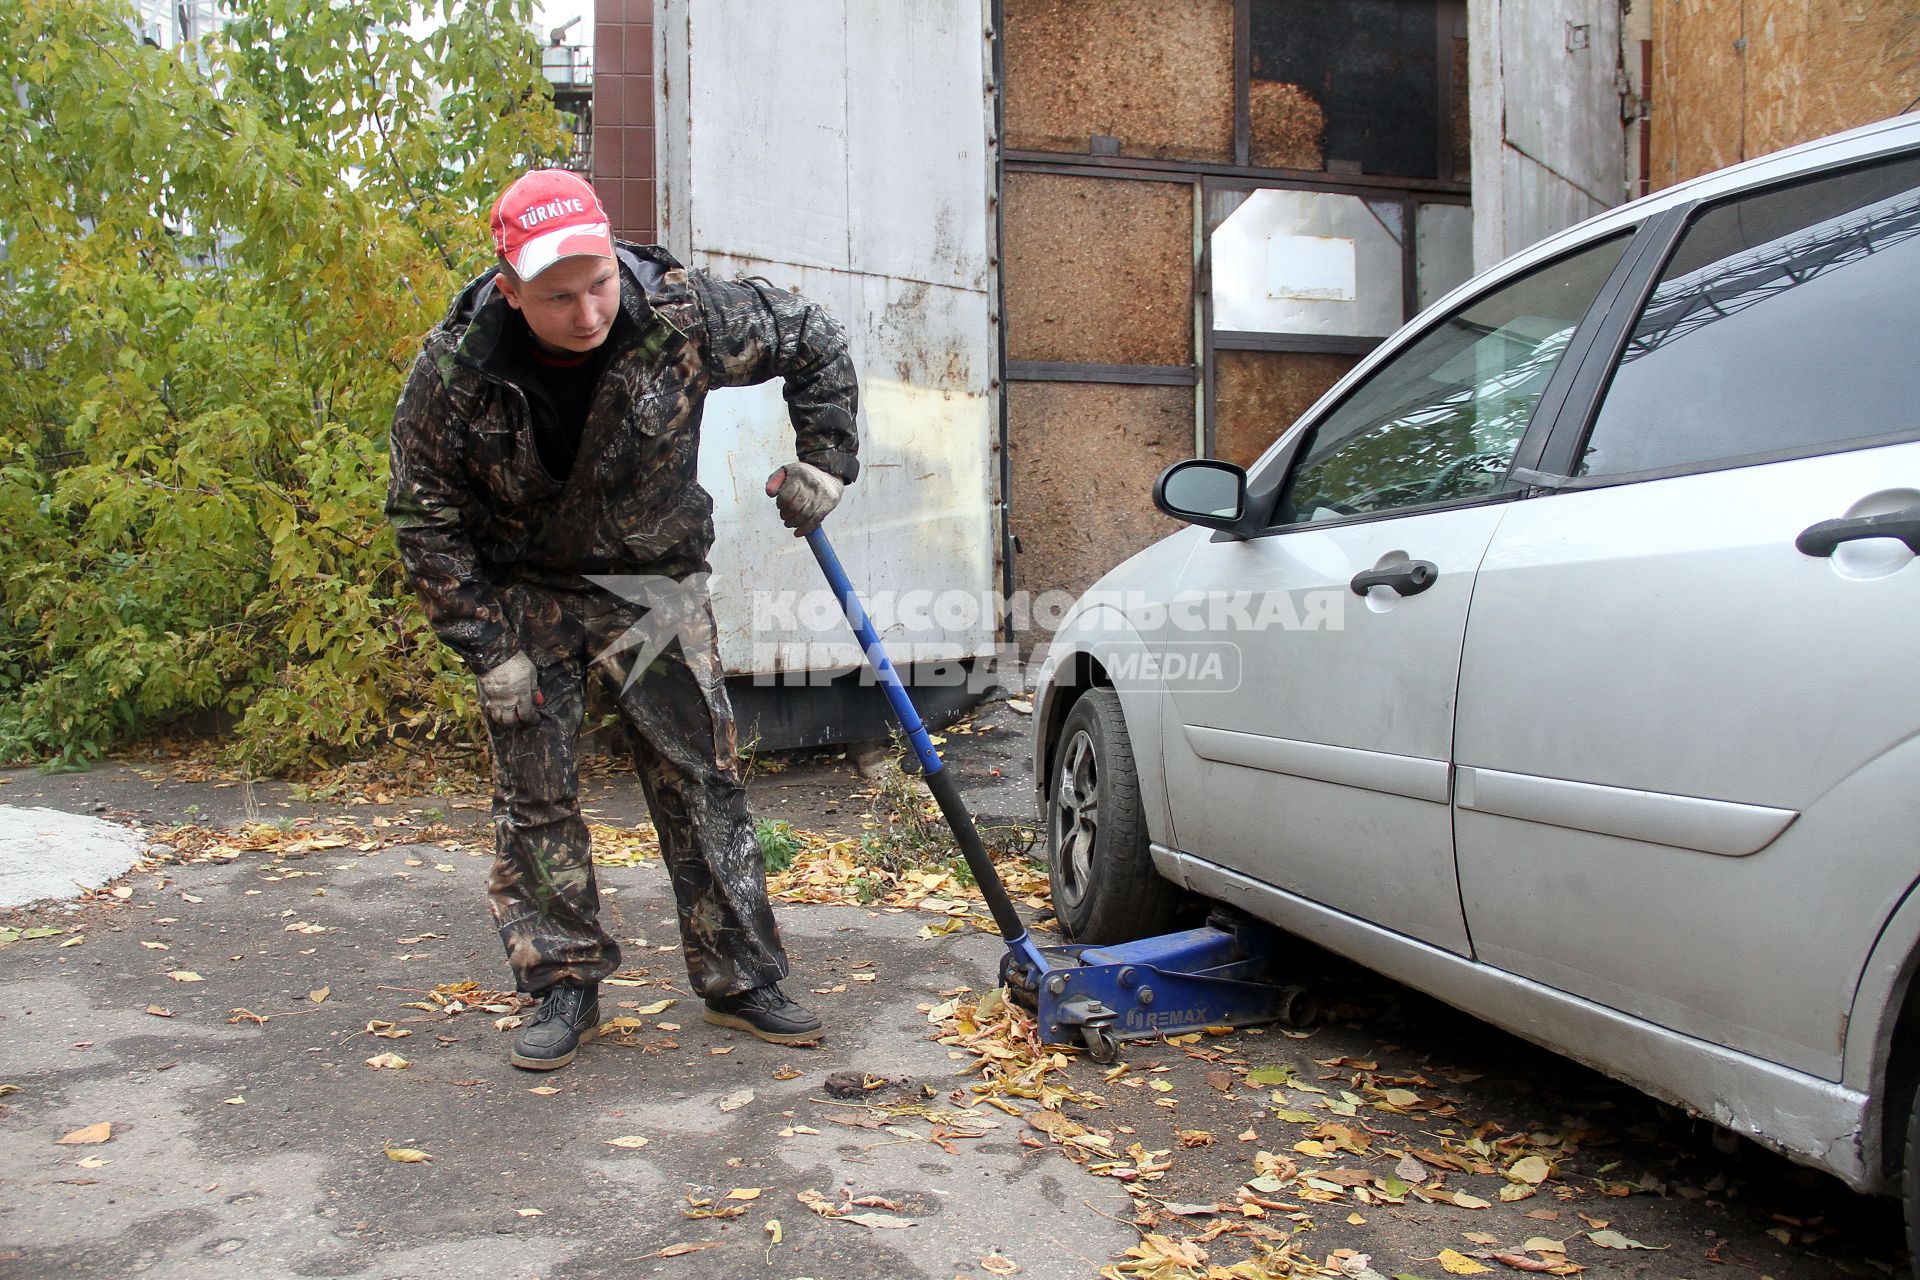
[(630, 1142), (391, 1061), (1531, 1170), (407, 1155), (184, 975), (88, 1136), (773, 1230), (999, 1264), (658, 1006), (531, 1213), (319, 994), (543, 1090), (744, 1193), (1460, 1264)]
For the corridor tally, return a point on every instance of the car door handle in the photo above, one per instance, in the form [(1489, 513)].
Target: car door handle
[(1821, 539), (1409, 579)]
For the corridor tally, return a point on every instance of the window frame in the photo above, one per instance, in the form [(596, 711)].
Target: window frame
[(1269, 480), (1566, 441)]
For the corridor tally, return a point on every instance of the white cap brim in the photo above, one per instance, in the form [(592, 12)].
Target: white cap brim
[(595, 240)]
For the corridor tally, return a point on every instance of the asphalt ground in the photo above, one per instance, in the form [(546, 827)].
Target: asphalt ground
[(249, 1136)]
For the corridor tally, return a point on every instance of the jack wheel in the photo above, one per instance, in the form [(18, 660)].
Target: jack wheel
[(1297, 1007), (1101, 1045)]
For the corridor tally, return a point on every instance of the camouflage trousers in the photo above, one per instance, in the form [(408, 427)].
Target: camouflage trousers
[(679, 727)]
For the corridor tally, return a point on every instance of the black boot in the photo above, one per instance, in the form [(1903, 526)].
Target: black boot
[(552, 1036), (765, 1012)]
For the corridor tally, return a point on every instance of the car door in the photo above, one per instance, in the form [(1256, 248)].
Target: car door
[(1323, 770), (1689, 736)]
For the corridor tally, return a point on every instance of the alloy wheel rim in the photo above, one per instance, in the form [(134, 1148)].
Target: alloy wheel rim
[(1076, 815)]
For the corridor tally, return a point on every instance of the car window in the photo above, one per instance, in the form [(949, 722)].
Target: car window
[(1439, 422), (1784, 323)]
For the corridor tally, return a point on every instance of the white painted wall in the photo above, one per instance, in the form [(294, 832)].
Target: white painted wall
[(1547, 148), (842, 149)]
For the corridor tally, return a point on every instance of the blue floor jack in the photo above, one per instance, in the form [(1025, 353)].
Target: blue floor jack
[(1092, 996)]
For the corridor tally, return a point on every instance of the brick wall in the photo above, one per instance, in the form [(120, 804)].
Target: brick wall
[(623, 137)]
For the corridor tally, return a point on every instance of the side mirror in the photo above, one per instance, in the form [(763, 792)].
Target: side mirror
[(1204, 492)]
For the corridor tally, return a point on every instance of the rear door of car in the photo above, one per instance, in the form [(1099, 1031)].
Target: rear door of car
[(1688, 747), (1320, 766)]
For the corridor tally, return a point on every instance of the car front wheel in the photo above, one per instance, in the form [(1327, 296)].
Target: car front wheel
[(1104, 886)]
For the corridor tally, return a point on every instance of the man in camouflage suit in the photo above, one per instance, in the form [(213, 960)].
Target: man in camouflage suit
[(549, 433)]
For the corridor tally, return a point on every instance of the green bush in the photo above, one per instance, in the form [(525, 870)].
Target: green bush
[(217, 266)]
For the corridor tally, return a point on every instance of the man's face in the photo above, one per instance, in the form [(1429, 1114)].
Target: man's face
[(570, 306)]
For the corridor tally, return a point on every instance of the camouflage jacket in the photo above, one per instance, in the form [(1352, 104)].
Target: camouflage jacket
[(475, 512)]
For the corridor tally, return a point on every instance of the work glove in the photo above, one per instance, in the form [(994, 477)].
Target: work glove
[(804, 494), (510, 691)]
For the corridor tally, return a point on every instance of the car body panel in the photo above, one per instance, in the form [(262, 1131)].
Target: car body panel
[(1790, 1111), (1695, 682), (1325, 771)]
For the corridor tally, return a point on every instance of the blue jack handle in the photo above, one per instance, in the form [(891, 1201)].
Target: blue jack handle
[(939, 781)]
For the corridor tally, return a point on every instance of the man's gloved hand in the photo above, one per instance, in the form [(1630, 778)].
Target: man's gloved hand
[(510, 691), (804, 494)]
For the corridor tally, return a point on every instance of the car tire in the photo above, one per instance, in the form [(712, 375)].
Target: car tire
[(1104, 886), (1910, 1183)]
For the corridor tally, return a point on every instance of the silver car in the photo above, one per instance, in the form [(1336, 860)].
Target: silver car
[(1563, 661)]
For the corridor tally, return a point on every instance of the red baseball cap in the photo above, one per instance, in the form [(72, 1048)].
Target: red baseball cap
[(548, 215)]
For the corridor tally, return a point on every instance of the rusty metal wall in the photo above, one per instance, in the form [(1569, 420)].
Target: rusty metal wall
[(1159, 78), (842, 149), (1735, 80)]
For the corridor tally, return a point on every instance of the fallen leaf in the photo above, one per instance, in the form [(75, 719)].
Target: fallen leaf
[(736, 1100), (159, 1011), (1480, 1237), (386, 1030), (156, 946), (407, 1155), (1539, 1266), (743, 1193), (1544, 1244), (93, 1162), (1531, 1170), (1515, 1191), (1411, 1170), (785, 1072), (1466, 1201), (999, 1264), (1267, 1077), (875, 1220), (658, 1006), (772, 1228), (390, 1061), (681, 1250), (184, 975), (531, 1213), (1459, 1264), (88, 1136), (1614, 1240), (544, 1090), (630, 1142), (237, 1100), (319, 994)]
